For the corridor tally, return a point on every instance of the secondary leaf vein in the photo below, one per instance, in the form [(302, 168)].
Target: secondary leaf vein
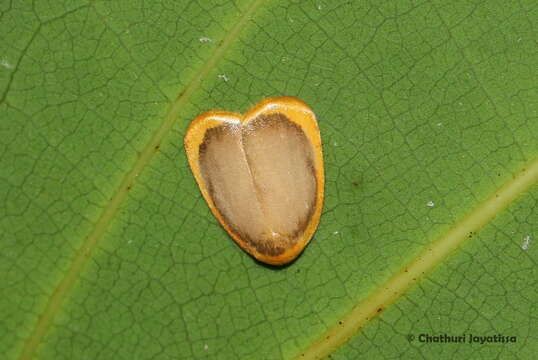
[(83, 254), (430, 257)]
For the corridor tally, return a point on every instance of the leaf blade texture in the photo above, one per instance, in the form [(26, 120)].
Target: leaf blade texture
[(425, 109)]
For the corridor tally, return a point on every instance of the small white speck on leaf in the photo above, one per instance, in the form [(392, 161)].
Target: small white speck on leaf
[(223, 77), (336, 232), (439, 123), (204, 39), (319, 7), (335, 143), (206, 347), (526, 242), (6, 64), (519, 40), (430, 204)]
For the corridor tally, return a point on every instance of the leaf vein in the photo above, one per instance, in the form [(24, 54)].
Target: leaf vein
[(83, 254), (432, 255)]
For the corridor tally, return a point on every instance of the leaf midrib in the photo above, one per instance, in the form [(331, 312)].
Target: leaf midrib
[(83, 254)]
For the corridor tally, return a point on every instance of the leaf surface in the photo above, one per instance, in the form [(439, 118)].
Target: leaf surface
[(426, 110)]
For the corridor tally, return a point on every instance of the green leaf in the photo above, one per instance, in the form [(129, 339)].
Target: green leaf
[(429, 117)]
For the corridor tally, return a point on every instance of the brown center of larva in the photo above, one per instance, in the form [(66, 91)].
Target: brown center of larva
[(262, 180)]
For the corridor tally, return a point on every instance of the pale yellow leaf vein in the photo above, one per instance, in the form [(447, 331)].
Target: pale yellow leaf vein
[(82, 255), (430, 257)]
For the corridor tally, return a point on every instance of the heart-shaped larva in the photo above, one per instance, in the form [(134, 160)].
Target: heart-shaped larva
[(261, 174)]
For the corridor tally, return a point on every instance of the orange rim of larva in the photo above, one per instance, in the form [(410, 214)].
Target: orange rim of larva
[(297, 112)]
